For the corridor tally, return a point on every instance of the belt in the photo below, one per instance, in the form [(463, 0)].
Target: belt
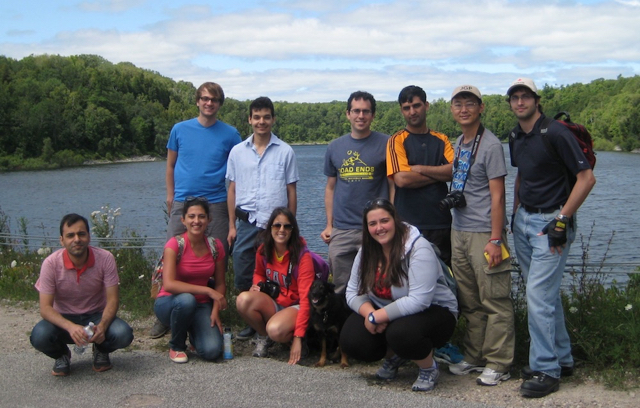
[(545, 210)]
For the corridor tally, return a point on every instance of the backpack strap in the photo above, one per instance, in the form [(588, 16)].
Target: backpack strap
[(212, 247), (544, 133), (180, 240)]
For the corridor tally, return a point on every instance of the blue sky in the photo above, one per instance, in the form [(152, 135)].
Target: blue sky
[(313, 51)]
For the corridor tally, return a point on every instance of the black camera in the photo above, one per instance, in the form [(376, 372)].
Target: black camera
[(271, 288), (454, 199)]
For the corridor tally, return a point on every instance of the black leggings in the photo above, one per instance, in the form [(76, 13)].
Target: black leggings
[(410, 337)]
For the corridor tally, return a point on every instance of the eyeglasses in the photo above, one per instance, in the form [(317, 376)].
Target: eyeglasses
[(357, 112), (467, 105), (277, 226), (191, 199), (206, 99), (378, 202), (524, 98)]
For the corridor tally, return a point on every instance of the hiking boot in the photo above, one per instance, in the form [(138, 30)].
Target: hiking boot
[(62, 365), (526, 373), (246, 334), (492, 377), (179, 357), (389, 368), (463, 368), (101, 360), (540, 385), (262, 346), (427, 379), (448, 354), (158, 330)]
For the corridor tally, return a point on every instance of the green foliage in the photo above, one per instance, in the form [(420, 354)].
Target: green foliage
[(603, 319), (59, 111), (135, 268), (18, 273)]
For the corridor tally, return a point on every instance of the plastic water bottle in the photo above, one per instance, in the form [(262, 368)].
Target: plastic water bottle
[(228, 345), (89, 332)]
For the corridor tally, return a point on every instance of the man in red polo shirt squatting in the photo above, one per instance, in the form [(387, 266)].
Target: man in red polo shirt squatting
[(78, 284)]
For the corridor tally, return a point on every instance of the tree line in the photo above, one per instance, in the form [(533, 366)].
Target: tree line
[(61, 111)]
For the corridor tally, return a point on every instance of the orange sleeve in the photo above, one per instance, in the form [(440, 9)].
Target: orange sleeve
[(306, 276), (448, 149), (396, 155)]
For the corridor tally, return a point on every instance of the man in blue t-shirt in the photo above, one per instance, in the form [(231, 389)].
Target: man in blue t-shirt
[(197, 154)]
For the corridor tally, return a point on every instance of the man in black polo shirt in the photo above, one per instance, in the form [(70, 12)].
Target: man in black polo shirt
[(549, 189)]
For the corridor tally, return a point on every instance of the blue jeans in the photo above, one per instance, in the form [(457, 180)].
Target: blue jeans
[(244, 254), (542, 270), (52, 340), (186, 316)]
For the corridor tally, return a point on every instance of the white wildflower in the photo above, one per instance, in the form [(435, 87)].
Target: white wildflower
[(573, 309), (14, 263), (95, 213), (628, 307), (141, 276), (44, 251)]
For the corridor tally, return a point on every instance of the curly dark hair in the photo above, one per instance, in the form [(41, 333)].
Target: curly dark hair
[(295, 241)]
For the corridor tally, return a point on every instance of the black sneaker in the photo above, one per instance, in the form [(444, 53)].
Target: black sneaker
[(101, 360), (62, 365), (246, 334), (158, 330), (540, 385), (526, 373)]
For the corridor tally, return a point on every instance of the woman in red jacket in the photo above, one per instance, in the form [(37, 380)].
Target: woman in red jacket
[(284, 270)]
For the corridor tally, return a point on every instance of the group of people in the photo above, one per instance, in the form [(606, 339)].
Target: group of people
[(389, 224)]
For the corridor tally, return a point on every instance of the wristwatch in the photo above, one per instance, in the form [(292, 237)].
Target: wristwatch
[(372, 319), (563, 218), (496, 242)]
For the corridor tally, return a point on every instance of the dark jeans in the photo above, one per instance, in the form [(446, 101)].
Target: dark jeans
[(186, 316), (410, 337), (52, 340)]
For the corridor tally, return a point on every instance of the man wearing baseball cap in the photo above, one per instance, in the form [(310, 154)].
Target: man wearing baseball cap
[(549, 189), (480, 259)]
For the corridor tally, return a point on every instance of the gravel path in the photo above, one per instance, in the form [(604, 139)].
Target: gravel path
[(17, 320)]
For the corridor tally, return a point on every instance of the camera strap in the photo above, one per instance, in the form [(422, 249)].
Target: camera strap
[(472, 159), (287, 279)]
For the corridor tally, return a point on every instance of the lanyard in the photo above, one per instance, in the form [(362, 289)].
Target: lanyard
[(472, 159)]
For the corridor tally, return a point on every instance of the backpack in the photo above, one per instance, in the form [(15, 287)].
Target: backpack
[(320, 266), (446, 278), (156, 276), (581, 134)]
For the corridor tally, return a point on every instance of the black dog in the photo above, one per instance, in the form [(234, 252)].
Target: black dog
[(328, 313)]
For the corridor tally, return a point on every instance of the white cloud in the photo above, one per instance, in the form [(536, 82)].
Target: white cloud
[(317, 51), (109, 6)]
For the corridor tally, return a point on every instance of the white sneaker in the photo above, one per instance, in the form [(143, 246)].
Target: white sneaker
[(492, 377), (463, 368), (262, 346)]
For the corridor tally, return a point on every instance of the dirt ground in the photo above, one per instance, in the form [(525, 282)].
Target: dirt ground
[(17, 320)]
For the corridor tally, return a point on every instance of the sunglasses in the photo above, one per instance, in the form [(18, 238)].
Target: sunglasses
[(378, 202), (287, 227)]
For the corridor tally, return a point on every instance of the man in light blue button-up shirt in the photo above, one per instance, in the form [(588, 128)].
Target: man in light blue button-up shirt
[(262, 173)]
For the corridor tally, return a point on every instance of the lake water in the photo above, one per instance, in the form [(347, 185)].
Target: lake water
[(138, 189)]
